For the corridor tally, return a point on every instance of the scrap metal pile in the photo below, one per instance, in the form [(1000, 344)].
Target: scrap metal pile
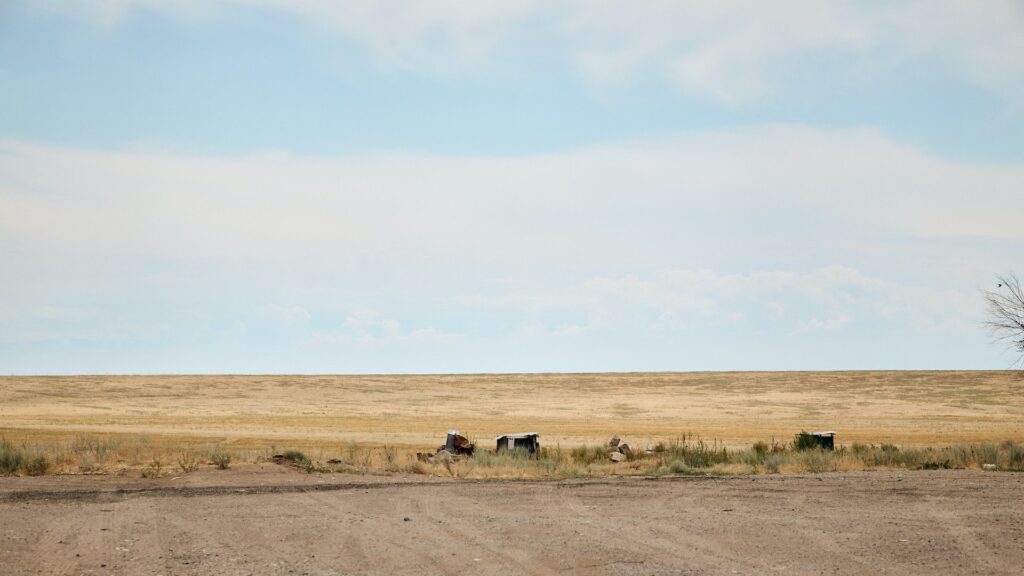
[(455, 445)]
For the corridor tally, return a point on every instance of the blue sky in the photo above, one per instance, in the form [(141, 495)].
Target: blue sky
[(396, 186)]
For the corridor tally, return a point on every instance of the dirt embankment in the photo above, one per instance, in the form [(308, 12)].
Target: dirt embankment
[(261, 520)]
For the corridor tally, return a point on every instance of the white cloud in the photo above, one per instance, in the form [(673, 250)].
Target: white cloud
[(741, 229), (32, 323), (360, 320), (825, 299), (617, 204), (780, 196), (833, 323), (364, 326), (739, 51), (391, 328), (289, 314), (391, 337), (731, 51), (445, 34)]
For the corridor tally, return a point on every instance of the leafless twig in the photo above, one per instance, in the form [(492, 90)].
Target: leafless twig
[(1006, 314)]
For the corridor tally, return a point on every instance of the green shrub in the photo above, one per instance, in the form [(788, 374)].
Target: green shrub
[(294, 456), (752, 457), (885, 455), (222, 460), (679, 467), (697, 454), (11, 458), (99, 447), (986, 454), (1015, 456), (816, 461), (587, 455), (804, 441)]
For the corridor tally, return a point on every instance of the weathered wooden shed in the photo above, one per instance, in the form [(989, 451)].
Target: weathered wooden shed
[(529, 441)]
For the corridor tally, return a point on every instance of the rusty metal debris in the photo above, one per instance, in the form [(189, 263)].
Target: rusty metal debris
[(454, 445), (458, 444)]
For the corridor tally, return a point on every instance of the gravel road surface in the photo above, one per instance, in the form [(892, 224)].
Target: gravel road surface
[(269, 520)]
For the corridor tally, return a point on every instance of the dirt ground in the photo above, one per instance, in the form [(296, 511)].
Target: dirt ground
[(270, 520)]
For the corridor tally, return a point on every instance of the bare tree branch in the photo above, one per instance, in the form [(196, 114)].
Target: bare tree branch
[(1006, 314)]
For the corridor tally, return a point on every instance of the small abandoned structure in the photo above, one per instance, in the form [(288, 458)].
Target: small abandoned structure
[(529, 441), (826, 440)]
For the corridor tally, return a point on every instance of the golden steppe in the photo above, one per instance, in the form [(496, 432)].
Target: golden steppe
[(732, 408)]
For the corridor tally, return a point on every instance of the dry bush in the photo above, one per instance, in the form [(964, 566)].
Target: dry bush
[(11, 458), (683, 455), (153, 470), (221, 459), (86, 464), (816, 461), (586, 455), (188, 462), (678, 467), (37, 466)]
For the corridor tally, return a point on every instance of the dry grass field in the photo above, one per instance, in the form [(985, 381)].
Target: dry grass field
[(143, 418), (906, 408)]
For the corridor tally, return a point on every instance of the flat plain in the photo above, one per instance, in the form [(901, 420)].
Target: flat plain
[(135, 489), (731, 408)]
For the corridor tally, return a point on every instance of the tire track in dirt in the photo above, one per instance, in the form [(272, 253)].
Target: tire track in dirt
[(117, 494), (632, 534), (515, 554), (926, 523), (362, 517), (107, 538), (431, 535), (973, 549), (55, 550)]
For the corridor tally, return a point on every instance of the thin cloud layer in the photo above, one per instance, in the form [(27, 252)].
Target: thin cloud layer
[(317, 186), (760, 182), (726, 51), (785, 232)]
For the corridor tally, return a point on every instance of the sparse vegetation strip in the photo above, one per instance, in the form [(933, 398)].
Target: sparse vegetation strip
[(685, 455)]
